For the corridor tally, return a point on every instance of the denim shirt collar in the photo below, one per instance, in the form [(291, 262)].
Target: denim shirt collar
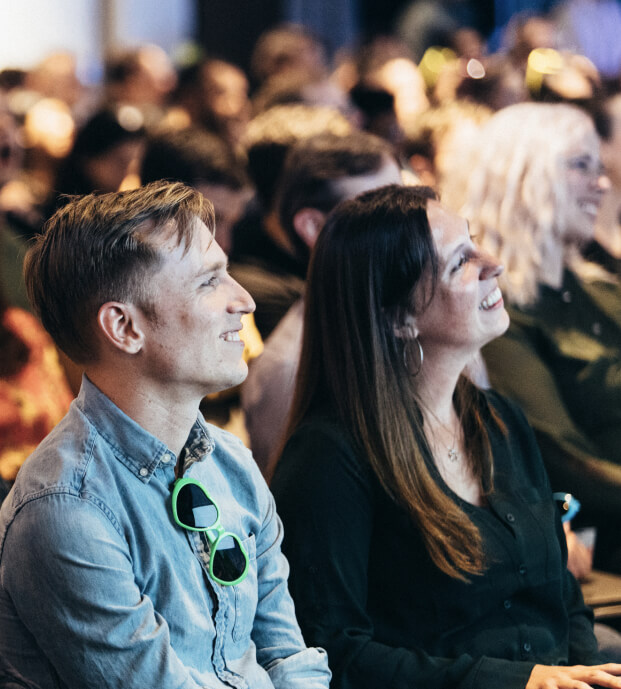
[(132, 445)]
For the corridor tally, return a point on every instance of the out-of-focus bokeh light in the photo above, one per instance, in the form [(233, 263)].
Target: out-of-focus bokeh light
[(50, 126), (475, 69), (433, 63)]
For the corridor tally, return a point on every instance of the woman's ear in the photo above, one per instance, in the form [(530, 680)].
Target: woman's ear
[(407, 329), (120, 326)]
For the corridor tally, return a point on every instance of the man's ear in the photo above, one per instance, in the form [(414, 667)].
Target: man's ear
[(120, 326), (308, 223), (407, 329)]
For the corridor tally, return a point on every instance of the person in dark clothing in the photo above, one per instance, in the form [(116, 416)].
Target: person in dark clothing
[(262, 259), (424, 543)]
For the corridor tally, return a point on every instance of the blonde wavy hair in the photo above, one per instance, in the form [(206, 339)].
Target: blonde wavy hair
[(517, 200)]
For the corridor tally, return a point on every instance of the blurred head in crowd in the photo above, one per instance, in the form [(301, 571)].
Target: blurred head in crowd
[(526, 32), (106, 149), (203, 161), (439, 145), (285, 48), (56, 77), (607, 119), (11, 151), (297, 86), (386, 65), (271, 134), (322, 171), (140, 77), (534, 191)]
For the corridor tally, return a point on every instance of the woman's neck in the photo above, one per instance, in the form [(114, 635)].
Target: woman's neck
[(552, 266), (436, 386), (442, 425)]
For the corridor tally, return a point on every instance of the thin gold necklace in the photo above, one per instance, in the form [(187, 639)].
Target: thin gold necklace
[(452, 454)]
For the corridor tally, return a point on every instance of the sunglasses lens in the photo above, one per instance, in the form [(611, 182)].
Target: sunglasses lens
[(229, 561), (194, 508)]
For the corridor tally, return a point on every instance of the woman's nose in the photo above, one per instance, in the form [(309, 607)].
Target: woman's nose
[(490, 267), (603, 182)]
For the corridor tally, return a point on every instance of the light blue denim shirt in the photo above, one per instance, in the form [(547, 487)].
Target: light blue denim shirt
[(100, 588)]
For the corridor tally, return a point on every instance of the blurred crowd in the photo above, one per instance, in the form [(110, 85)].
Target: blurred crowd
[(433, 93)]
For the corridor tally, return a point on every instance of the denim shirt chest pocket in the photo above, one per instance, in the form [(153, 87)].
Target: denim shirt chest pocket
[(246, 595)]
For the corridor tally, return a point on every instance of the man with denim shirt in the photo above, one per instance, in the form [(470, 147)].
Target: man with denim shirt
[(101, 584)]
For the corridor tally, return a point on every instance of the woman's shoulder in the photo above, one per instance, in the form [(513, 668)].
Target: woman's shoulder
[(514, 446), (322, 448), (508, 411), (322, 436)]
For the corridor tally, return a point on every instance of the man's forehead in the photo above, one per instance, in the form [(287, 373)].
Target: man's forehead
[(169, 236)]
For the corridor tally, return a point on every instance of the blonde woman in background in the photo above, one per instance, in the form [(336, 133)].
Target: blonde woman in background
[(532, 198)]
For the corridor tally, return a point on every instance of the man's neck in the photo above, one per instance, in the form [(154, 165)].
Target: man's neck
[(166, 418)]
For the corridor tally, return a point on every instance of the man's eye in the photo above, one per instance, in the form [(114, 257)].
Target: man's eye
[(212, 282)]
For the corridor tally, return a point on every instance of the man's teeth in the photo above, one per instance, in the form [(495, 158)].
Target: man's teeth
[(491, 299), (232, 336)]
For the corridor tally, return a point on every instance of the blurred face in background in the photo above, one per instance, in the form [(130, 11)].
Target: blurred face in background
[(107, 170), (11, 152), (611, 149), (585, 183)]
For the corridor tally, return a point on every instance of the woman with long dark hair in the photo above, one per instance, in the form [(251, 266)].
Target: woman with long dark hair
[(425, 547)]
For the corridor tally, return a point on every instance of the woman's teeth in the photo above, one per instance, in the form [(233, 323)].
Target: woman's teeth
[(232, 336), (491, 300)]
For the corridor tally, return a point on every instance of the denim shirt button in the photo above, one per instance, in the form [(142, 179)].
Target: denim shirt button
[(523, 569), (144, 471), (510, 517), (507, 604), (166, 458)]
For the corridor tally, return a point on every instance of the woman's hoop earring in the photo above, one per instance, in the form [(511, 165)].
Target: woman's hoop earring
[(420, 357)]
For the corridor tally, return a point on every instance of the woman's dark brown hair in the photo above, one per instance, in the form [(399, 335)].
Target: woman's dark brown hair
[(373, 263)]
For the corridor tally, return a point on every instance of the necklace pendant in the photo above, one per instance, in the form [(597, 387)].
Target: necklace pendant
[(453, 455)]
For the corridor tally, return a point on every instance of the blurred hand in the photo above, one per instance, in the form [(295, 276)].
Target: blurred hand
[(579, 557)]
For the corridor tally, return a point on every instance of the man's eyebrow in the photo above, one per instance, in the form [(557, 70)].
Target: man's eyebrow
[(212, 268)]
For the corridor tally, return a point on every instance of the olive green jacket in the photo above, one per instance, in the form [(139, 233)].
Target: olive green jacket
[(561, 361)]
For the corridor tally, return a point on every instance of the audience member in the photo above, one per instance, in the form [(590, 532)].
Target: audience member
[(425, 546), (34, 395), (150, 539), (318, 174), (215, 95), (605, 249), (532, 199), (203, 161), (261, 256), (15, 213), (105, 151), (288, 47), (142, 78)]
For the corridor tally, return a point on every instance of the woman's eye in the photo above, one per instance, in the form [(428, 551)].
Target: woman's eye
[(463, 259), (580, 164), (212, 282)]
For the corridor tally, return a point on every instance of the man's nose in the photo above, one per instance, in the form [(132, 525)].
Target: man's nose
[(241, 301)]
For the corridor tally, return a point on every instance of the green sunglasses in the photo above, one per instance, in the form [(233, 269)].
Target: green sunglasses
[(194, 509)]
